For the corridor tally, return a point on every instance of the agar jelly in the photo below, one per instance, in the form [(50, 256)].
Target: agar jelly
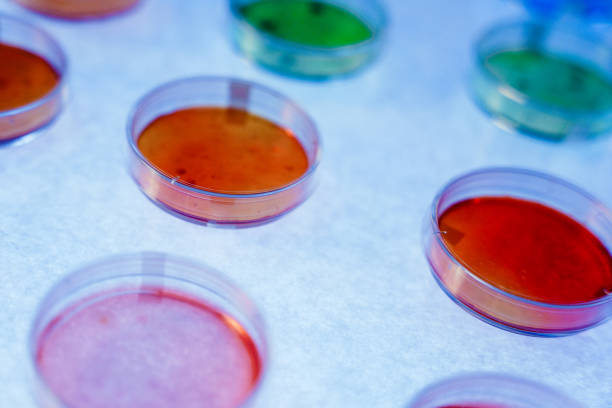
[(154, 349), (307, 22), (78, 9), (527, 249), (223, 150)]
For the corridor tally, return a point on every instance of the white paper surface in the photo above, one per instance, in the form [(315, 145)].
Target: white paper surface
[(354, 317)]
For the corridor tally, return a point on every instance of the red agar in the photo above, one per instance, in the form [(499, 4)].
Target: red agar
[(150, 349), (527, 249)]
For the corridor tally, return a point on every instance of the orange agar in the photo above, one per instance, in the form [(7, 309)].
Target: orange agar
[(25, 78)]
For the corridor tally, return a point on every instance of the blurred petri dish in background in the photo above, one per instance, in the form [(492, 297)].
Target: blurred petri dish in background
[(222, 151), (523, 251), (78, 9), (587, 10), (32, 76), (489, 390), (147, 330), (309, 38), (543, 80)]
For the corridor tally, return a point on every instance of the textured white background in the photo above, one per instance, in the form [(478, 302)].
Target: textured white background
[(355, 319)]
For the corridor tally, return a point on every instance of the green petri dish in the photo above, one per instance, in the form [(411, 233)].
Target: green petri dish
[(544, 81), (309, 38)]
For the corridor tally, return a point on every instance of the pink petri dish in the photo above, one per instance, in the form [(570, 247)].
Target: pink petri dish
[(19, 123), (147, 330), (204, 206), (489, 390), (78, 9)]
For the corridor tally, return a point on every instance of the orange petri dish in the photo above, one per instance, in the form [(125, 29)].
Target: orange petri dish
[(222, 151), (78, 9), (523, 251), (31, 79)]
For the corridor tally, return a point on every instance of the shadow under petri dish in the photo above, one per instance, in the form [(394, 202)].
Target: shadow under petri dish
[(527, 249), (154, 348), (223, 150)]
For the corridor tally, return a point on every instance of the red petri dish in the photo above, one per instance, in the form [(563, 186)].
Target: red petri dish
[(181, 337), (222, 151), (78, 9), (31, 79), (489, 390), (521, 250)]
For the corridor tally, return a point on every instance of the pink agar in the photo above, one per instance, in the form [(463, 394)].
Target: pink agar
[(153, 349)]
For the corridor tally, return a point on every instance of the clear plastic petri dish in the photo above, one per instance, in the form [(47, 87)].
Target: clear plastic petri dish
[(522, 250), (544, 80), (147, 330), (489, 390), (309, 38), (222, 151), (32, 74), (78, 9)]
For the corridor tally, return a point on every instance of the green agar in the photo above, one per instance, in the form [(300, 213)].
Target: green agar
[(553, 80), (312, 23)]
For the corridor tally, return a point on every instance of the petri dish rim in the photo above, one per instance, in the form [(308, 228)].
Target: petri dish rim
[(80, 278), (433, 220), (140, 104), (378, 32), (494, 380), (518, 96), (62, 68)]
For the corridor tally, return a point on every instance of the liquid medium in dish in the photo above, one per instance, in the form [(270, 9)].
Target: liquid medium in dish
[(523, 251), (147, 330), (310, 38), (31, 79), (222, 151), (490, 390), (78, 9), (544, 81)]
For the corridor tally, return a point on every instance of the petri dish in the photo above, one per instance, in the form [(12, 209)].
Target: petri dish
[(522, 250), (490, 390), (147, 330), (543, 80), (78, 9), (32, 77), (222, 151), (309, 38)]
